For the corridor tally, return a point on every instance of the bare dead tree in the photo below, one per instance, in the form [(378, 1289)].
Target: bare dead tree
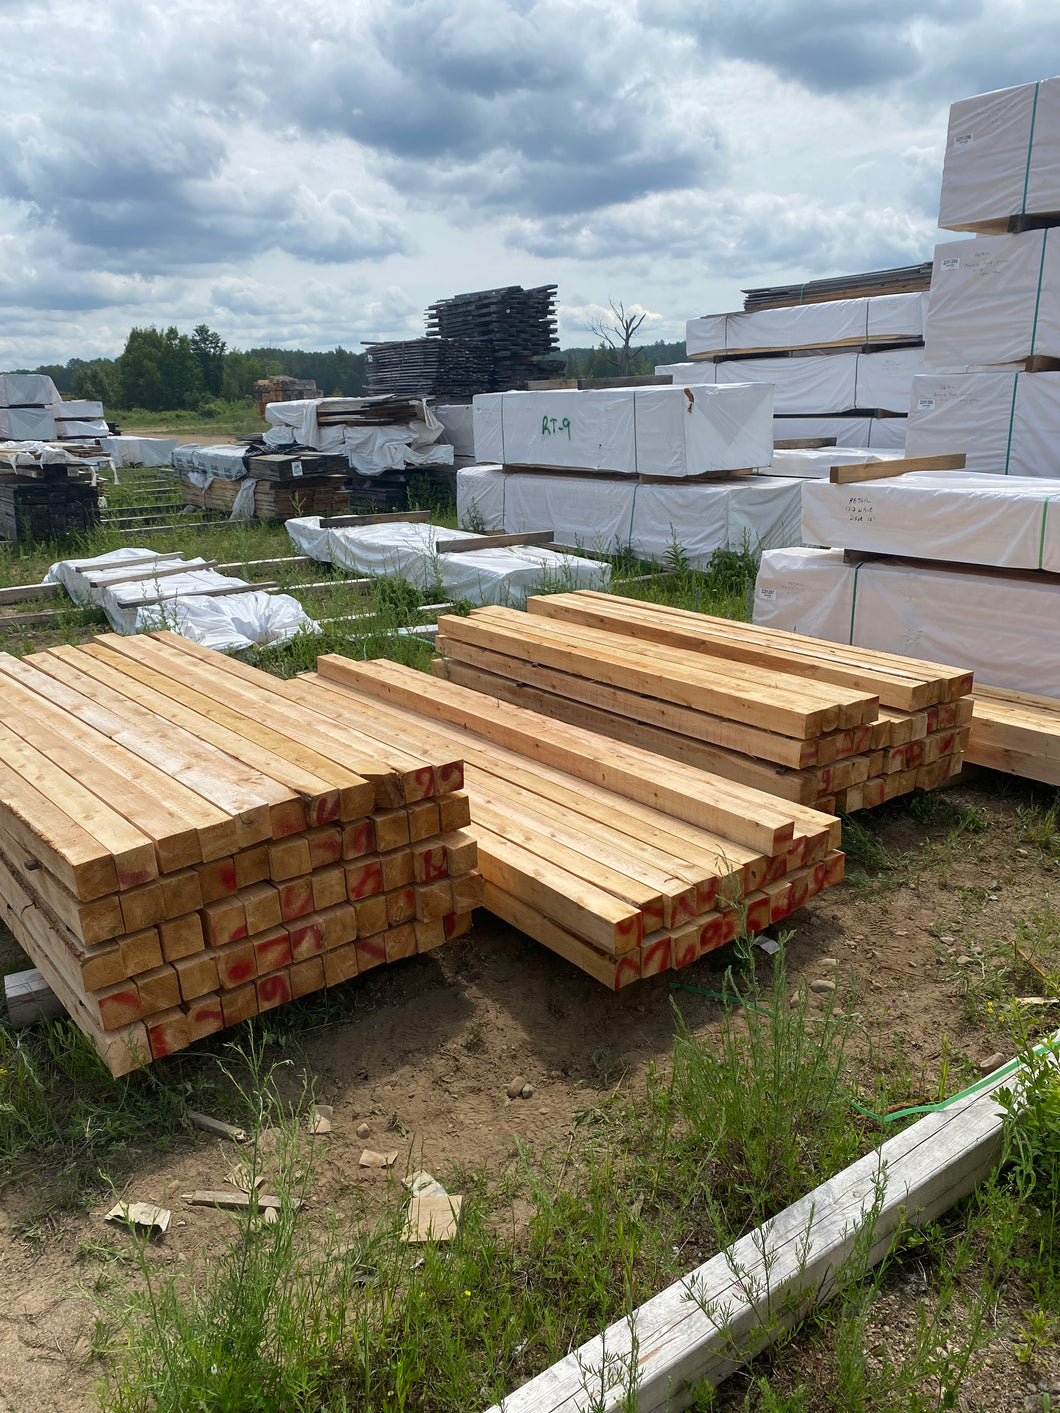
[(617, 332)]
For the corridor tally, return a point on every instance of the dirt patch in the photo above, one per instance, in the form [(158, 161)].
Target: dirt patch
[(437, 1041)]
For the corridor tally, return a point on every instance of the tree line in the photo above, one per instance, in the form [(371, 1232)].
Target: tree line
[(163, 370)]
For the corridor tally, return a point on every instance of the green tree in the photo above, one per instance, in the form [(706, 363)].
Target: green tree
[(159, 371), (209, 350), (95, 380)]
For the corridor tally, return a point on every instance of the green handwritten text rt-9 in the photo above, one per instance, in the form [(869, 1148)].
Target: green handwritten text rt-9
[(553, 427)]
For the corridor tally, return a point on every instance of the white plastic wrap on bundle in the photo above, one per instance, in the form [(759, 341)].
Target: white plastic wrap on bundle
[(27, 424), (835, 321), (661, 431), (79, 428), (140, 451), (409, 551), (814, 464), (229, 623), (971, 518), (887, 433), (1003, 628), (71, 573), (1005, 423), (688, 374), (370, 450), (754, 512), (29, 454), (224, 460), (27, 390), (1002, 157)]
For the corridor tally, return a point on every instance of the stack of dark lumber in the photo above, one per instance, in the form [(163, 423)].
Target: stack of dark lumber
[(273, 500), (518, 324), (624, 863), (821, 724), (450, 368), (907, 279), (42, 502), (384, 410), (295, 465), (182, 846), (1016, 732)]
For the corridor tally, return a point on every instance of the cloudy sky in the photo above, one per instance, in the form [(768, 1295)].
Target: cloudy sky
[(316, 174)]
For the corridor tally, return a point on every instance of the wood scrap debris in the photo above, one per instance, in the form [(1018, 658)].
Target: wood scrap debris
[(431, 1219), (144, 1215)]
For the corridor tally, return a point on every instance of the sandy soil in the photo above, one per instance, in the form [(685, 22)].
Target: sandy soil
[(440, 1038)]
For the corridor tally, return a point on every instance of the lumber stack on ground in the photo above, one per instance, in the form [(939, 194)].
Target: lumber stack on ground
[(1016, 732), (623, 862), (181, 846), (814, 723), (273, 499)]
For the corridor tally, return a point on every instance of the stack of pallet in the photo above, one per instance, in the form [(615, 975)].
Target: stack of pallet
[(47, 501), (622, 862), (181, 847), (807, 721)]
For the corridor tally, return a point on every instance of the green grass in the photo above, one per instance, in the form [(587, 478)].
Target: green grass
[(226, 419)]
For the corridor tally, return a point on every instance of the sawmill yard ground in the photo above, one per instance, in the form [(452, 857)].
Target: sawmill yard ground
[(661, 1122)]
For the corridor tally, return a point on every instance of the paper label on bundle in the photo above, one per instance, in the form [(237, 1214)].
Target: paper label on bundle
[(768, 594), (951, 262), (296, 468), (925, 404), (962, 139)]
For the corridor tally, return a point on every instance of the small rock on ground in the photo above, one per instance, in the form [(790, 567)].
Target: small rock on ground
[(991, 1063), (364, 1130), (822, 984), (515, 1088), (527, 1091)]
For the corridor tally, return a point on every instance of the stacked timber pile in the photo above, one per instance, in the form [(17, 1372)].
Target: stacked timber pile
[(430, 367), (1016, 732), (274, 499), (283, 389), (519, 325), (45, 501), (181, 847), (906, 279), (624, 863), (806, 721)]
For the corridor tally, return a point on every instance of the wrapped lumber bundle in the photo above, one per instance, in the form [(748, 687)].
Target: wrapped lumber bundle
[(907, 279), (273, 500), (806, 722), (1002, 164), (181, 846), (1005, 422), (624, 863), (883, 319)]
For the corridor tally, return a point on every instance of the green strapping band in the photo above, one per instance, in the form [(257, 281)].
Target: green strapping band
[(632, 514), (504, 502), (1011, 419), (854, 601), (1041, 541), (1030, 145), (1038, 296)]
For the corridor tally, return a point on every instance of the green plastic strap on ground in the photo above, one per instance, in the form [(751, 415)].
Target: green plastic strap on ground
[(1030, 145), (1011, 420), (1041, 541), (632, 515), (1038, 296), (731, 997), (854, 602)]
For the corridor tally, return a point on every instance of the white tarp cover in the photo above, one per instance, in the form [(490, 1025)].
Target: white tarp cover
[(605, 516), (409, 551), (1002, 156), (141, 451), (1011, 522), (27, 424), (16, 454), (370, 450), (1007, 424), (994, 299), (27, 390), (814, 464), (80, 429), (880, 432), (76, 408), (231, 621), (835, 321), (1005, 629), (223, 461), (665, 431), (458, 419), (687, 374), (832, 382)]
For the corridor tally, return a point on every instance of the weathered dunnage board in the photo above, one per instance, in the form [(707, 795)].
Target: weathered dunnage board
[(182, 846), (705, 1326)]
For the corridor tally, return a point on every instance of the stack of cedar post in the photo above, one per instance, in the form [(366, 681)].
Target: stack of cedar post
[(181, 846), (822, 724), (623, 862)]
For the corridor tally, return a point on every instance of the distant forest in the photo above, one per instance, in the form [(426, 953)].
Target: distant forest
[(163, 370), (167, 370)]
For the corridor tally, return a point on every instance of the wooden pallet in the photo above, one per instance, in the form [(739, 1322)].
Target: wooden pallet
[(181, 846), (620, 861)]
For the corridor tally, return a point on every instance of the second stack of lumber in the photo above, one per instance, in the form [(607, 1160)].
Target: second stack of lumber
[(624, 863), (182, 847), (836, 727), (273, 500), (1016, 732)]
